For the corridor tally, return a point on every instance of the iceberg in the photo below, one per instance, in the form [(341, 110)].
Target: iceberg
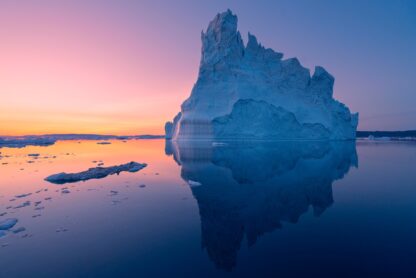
[(251, 92)]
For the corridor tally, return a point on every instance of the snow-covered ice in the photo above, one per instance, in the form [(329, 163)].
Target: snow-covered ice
[(250, 92), (95, 173)]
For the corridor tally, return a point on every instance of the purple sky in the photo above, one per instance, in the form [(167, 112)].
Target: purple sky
[(125, 66)]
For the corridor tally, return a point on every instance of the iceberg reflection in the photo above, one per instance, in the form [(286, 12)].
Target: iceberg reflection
[(248, 189)]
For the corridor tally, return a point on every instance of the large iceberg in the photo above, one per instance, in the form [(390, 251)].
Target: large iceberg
[(250, 92)]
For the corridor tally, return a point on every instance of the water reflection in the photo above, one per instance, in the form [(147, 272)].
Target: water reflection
[(244, 190)]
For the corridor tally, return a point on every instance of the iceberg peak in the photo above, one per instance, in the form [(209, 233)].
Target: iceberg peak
[(249, 92), (221, 43)]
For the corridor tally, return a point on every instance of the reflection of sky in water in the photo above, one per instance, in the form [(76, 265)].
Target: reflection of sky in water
[(276, 208)]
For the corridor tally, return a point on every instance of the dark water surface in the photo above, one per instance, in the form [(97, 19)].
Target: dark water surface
[(254, 209)]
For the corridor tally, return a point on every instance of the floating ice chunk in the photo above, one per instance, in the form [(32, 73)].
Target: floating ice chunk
[(33, 154), (104, 143), (36, 215), (19, 230), (65, 191), (23, 195), (8, 223), (95, 173), (113, 192), (3, 214), (194, 183), (25, 204), (219, 144), (142, 186)]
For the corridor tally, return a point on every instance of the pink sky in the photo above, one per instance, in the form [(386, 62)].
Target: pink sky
[(124, 67), (69, 70)]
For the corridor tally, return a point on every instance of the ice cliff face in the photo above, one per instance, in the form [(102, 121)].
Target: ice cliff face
[(249, 92)]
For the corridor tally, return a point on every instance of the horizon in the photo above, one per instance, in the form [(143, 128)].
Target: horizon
[(79, 67)]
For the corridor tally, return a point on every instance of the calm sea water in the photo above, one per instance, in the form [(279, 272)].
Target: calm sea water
[(224, 210)]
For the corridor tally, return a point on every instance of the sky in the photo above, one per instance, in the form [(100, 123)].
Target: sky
[(124, 67)]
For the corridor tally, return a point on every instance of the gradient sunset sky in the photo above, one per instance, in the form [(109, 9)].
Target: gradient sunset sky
[(124, 67)]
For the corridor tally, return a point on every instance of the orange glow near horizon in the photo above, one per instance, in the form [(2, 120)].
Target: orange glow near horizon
[(68, 70)]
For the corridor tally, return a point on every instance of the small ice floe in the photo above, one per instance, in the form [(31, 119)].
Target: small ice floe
[(100, 164), (193, 183), (39, 208), (65, 191), (8, 223), (33, 154), (30, 161), (142, 186), (219, 144), (12, 200), (37, 203), (113, 192), (25, 204), (48, 198), (373, 138), (5, 163), (61, 230), (19, 230), (36, 215), (3, 213), (94, 161), (95, 173), (104, 143), (23, 195), (39, 191)]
